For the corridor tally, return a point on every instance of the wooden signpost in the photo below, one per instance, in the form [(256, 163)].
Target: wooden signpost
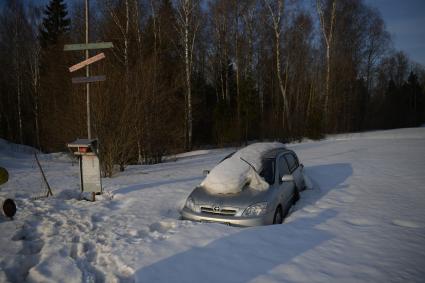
[(86, 63), (87, 46), (82, 80), (89, 61), (87, 79)]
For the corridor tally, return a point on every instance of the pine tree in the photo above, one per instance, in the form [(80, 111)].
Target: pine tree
[(55, 23), (55, 86), (415, 100)]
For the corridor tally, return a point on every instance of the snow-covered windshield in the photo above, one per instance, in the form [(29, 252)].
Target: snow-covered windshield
[(268, 170), (233, 173), (227, 156)]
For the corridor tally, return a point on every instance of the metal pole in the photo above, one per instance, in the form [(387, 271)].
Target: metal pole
[(88, 72)]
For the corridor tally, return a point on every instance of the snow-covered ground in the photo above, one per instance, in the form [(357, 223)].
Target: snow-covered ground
[(364, 220)]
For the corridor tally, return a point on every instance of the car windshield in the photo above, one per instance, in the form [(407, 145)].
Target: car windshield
[(268, 170)]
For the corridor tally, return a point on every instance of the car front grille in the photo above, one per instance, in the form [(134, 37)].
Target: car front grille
[(219, 211)]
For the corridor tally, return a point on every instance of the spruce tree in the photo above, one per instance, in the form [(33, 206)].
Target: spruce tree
[(55, 81), (55, 23)]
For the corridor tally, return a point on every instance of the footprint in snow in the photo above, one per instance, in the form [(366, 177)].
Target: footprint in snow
[(347, 199), (359, 222), (32, 247), (158, 236), (162, 226), (325, 205), (312, 209), (97, 218), (405, 223), (133, 232)]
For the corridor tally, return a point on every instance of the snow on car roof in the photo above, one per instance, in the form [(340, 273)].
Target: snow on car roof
[(233, 173), (272, 153)]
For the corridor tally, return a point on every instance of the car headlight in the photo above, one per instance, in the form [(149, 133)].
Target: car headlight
[(190, 204), (257, 209)]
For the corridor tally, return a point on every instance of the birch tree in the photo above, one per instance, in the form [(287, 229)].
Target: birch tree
[(17, 60), (34, 52), (220, 25), (188, 23), (377, 40), (276, 9), (327, 28)]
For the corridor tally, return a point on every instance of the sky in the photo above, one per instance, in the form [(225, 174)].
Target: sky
[(405, 21)]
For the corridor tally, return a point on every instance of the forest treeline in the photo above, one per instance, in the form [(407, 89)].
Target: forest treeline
[(189, 73)]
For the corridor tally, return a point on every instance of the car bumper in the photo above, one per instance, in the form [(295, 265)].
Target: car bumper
[(229, 220)]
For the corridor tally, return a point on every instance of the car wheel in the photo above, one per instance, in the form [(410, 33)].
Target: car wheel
[(278, 216)]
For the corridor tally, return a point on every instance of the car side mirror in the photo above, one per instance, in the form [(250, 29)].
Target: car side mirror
[(205, 172), (287, 178)]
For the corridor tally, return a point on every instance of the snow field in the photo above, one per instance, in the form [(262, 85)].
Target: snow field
[(363, 220)]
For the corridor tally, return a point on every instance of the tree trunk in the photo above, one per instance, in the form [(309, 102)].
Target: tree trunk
[(238, 97), (328, 36), (276, 17), (281, 85), (188, 79), (18, 77)]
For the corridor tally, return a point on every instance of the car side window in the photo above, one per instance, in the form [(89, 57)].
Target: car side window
[(283, 167), (296, 161), (292, 161), (268, 170)]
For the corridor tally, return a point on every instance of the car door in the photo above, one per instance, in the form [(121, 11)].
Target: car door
[(286, 188), (295, 169)]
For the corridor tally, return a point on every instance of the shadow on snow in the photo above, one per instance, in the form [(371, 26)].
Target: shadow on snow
[(142, 186), (253, 252)]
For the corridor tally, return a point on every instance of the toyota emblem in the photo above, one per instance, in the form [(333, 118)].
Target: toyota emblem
[(216, 208)]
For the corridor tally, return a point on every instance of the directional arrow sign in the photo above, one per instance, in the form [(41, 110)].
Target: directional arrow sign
[(89, 61), (87, 46), (83, 80)]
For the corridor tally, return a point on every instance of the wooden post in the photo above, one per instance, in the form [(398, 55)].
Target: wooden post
[(88, 72), (49, 192)]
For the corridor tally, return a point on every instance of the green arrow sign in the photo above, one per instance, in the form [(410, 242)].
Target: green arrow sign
[(84, 46)]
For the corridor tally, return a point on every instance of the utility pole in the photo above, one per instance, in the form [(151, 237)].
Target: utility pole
[(88, 72)]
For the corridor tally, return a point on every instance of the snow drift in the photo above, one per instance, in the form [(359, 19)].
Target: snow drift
[(231, 175), (364, 221)]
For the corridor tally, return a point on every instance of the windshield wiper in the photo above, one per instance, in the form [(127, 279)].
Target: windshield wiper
[(250, 165)]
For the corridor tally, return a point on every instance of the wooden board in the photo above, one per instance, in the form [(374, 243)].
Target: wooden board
[(90, 173), (89, 61), (82, 80), (88, 46)]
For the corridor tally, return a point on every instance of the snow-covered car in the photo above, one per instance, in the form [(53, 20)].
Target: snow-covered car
[(256, 185)]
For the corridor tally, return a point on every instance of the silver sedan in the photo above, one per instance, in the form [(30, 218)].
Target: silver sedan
[(280, 168)]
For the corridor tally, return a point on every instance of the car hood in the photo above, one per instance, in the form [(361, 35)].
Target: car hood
[(245, 198)]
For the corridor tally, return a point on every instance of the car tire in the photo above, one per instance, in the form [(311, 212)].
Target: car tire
[(278, 216)]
